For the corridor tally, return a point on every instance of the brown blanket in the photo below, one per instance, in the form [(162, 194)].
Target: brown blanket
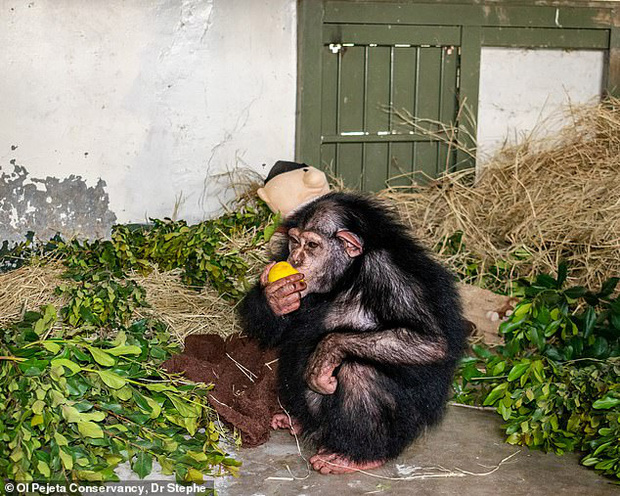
[(244, 378)]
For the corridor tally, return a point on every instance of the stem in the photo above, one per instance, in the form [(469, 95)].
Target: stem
[(127, 420), (488, 378), (607, 360), (12, 358), (176, 393), (43, 340)]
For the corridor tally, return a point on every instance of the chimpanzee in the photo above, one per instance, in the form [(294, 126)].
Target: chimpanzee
[(369, 332)]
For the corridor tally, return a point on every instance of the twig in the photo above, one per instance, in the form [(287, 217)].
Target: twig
[(443, 472), (290, 422), (268, 364), (473, 407), (246, 371)]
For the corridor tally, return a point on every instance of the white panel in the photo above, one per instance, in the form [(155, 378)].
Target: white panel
[(524, 90)]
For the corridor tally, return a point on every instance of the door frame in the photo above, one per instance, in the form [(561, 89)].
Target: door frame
[(504, 23)]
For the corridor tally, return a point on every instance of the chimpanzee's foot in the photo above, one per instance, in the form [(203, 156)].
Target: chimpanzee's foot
[(333, 463), (281, 421)]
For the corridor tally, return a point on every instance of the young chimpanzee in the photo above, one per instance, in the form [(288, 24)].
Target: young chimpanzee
[(369, 332)]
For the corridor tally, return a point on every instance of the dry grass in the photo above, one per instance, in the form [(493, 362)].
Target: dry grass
[(185, 310), (534, 203), (28, 288)]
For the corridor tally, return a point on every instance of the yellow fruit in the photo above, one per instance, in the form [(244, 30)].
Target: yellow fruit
[(280, 270)]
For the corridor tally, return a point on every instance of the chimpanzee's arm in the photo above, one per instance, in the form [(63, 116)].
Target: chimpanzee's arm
[(258, 320), (395, 346)]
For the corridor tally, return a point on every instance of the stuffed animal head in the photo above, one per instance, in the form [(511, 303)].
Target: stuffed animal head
[(289, 185)]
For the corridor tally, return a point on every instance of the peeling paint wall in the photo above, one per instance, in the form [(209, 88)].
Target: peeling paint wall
[(49, 206), (129, 109)]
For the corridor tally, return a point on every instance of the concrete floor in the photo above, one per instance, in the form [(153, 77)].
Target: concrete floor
[(469, 440)]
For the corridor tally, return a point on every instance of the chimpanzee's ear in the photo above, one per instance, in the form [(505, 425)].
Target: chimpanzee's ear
[(352, 243)]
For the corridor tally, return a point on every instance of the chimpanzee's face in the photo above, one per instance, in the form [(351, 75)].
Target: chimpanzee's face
[(320, 258)]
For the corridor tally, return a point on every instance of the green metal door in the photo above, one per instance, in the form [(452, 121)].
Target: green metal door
[(369, 73)]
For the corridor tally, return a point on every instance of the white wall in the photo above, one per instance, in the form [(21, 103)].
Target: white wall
[(526, 89), (152, 96)]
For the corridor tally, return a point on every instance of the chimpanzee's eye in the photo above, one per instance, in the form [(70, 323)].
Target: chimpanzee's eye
[(312, 245), (294, 241)]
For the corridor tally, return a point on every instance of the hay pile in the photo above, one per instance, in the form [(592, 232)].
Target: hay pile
[(28, 288), (534, 204), (184, 309)]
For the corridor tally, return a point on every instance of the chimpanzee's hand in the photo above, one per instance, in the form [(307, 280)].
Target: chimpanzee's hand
[(284, 295), (327, 356)]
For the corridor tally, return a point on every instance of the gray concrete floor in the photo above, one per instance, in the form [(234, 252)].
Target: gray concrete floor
[(469, 440)]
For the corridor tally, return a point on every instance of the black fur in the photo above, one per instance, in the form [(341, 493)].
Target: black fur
[(401, 400)]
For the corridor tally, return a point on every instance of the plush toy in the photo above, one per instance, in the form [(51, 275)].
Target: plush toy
[(289, 185)]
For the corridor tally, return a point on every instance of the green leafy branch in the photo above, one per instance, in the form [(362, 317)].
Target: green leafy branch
[(556, 381), (76, 407)]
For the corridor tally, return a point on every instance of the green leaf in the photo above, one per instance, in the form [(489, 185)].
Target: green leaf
[(124, 350), (60, 439), (575, 292), (551, 329), (589, 461), (496, 393), (52, 347), (159, 387), (71, 414), (94, 416), (600, 347), (120, 339), (602, 447), (269, 231), (546, 281), (37, 407), (101, 357), (44, 469), (66, 458), (89, 475), (156, 409), (90, 429), (124, 393), (589, 320), (72, 366), (608, 286), (562, 273), (606, 403), (536, 337), (142, 464), (141, 402), (518, 370), (522, 309), (111, 379), (33, 367), (36, 420), (184, 408)]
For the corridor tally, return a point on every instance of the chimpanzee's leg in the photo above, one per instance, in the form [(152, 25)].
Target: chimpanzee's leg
[(360, 422)]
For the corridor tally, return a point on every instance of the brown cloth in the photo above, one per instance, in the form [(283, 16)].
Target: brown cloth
[(246, 404)]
